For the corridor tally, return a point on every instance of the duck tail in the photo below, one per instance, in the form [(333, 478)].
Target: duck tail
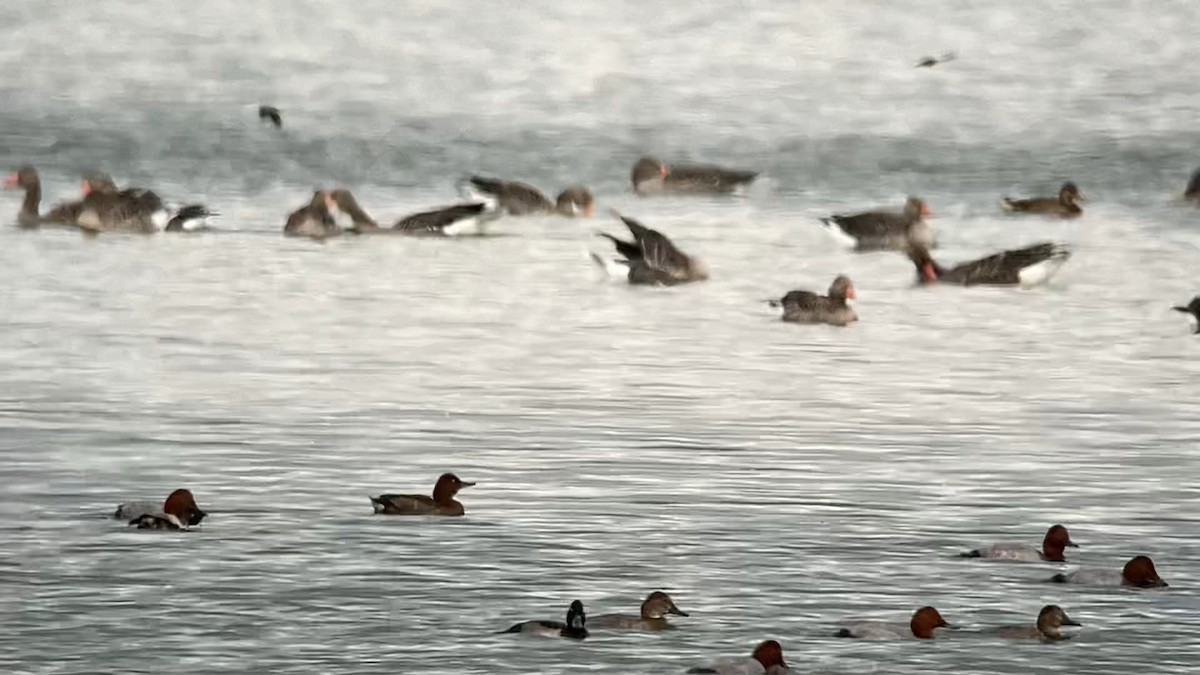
[(971, 554), (843, 633), (1059, 578), (377, 504), (515, 628), (1007, 204)]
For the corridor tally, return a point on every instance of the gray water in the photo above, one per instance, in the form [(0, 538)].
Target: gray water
[(775, 479)]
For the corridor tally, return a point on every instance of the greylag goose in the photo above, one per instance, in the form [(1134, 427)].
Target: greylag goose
[(519, 199), (651, 258), (651, 176), (1026, 267), (808, 307), (883, 230)]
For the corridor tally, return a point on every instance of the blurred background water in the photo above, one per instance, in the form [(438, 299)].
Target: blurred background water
[(774, 479)]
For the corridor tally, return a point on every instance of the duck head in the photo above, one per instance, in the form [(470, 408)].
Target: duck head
[(842, 289), (1140, 573), (1057, 539), (1051, 618), (648, 169), (769, 654), (23, 178), (658, 604), (1069, 195), (182, 505), (447, 486), (928, 271), (576, 201), (576, 619), (916, 208), (924, 621)]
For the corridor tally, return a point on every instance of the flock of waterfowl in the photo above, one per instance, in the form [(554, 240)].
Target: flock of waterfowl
[(180, 512), (649, 257)]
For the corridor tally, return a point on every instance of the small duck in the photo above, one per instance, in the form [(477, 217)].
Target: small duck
[(808, 307), (1066, 205), (178, 512), (271, 114), (442, 503), (767, 659), (650, 259), (521, 199), (574, 628), (190, 218), (921, 626), (1049, 621), (316, 219), (1192, 309), (655, 609), (1137, 573), (1056, 541), (651, 177), (883, 230), (1027, 267)]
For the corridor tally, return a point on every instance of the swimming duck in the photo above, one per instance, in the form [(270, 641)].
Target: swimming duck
[(442, 503), (1049, 621), (767, 659), (315, 219), (190, 218), (178, 512), (1056, 540), (883, 230), (651, 176), (655, 609), (651, 258), (1137, 573), (520, 199), (1026, 267), (921, 626), (574, 628), (26, 178), (808, 307), (1192, 309), (1066, 205)]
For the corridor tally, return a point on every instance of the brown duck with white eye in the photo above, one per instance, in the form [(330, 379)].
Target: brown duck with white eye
[(653, 615), (442, 503), (521, 199), (26, 178), (1049, 622), (808, 307), (650, 176), (1065, 205)]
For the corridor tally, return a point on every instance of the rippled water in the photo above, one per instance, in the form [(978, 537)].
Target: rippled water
[(775, 479)]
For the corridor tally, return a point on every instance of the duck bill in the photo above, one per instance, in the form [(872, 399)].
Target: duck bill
[(1071, 544), (464, 483), (676, 611), (1071, 622), (851, 294), (11, 180)]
